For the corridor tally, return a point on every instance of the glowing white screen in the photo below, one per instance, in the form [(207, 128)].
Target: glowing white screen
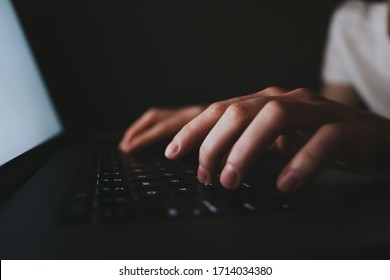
[(27, 116)]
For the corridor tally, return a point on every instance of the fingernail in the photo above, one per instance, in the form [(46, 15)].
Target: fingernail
[(171, 149), (229, 177), (203, 176), (288, 181)]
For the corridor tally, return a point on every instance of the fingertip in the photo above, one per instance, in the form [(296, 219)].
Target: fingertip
[(172, 150), (123, 150), (126, 148), (122, 146), (203, 175), (230, 177), (288, 181)]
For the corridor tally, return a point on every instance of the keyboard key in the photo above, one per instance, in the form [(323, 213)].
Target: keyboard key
[(195, 206), (145, 184), (189, 190), (176, 182), (264, 206), (212, 207), (151, 193), (152, 187)]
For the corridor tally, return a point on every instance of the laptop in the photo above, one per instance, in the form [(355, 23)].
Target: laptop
[(67, 196)]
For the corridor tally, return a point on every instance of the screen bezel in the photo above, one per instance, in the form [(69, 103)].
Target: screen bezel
[(18, 169)]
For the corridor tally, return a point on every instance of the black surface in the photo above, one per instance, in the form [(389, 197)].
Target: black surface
[(340, 216), (107, 61)]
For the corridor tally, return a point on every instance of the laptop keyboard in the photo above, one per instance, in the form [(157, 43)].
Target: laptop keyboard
[(114, 187)]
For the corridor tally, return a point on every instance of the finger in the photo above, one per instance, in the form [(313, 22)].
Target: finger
[(143, 123), (192, 134), (321, 148), (277, 117), (224, 134), (289, 144), (162, 130)]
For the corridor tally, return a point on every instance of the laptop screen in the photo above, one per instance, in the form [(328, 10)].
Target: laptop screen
[(27, 116)]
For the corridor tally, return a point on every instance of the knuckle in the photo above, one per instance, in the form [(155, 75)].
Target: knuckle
[(197, 109), (306, 93), (302, 89), (217, 108), (277, 108), (239, 111), (186, 130), (338, 131), (152, 112), (274, 90)]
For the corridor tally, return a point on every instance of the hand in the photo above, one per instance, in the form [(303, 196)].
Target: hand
[(155, 125), (234, 133)]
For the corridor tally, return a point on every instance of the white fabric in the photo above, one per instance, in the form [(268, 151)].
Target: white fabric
[(358, 53)]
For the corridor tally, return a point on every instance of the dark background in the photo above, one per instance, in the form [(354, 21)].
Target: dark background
[(106, 61)]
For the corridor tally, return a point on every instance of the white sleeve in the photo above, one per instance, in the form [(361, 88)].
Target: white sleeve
[(333, 69)]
